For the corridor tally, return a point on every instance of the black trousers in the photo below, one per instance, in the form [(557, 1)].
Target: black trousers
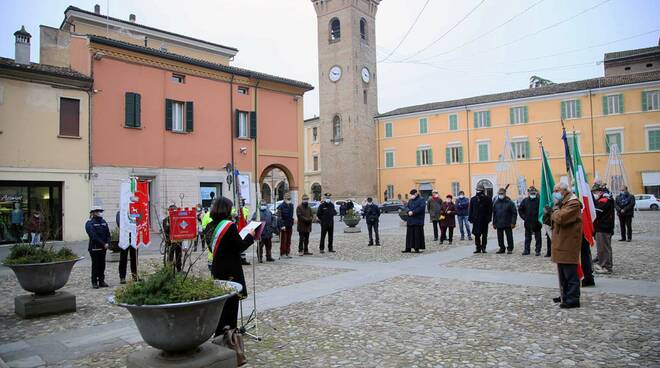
[(303, 244), (123, 260), (268, 243), (443, 235), (326, 229), (625, 222), (174, 254), (373, 226), (587, 263), (569, 283), (509, 238), (98, 265), (229, 315), (435, 229), (549, 245), (481, 240), (529, 230)]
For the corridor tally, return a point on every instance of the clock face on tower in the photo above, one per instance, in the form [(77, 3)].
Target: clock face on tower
[(365, 75), (335, 73)]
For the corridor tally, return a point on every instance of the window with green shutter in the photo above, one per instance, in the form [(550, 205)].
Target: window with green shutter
[(453, 122), (189, 116), (518, 115), (424, 156), (132, 110), (483, 151), (571, 109), (520, 149), (389, 159), (613, 138), (613, 104), (388, 130), (481, 119), (651, 100), (423, 126), (253, 124), (654, 139)]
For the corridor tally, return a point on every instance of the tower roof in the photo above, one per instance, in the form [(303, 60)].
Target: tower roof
[(22, 32)]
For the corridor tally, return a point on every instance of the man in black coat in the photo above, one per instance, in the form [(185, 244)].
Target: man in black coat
[(604, 227), (326, 214), (372, 215), (416, 207), (99, 241), (625, 208), (504, 220), (479, 215), (529, 212)]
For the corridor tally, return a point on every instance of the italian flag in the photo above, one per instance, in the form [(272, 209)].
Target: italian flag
[(547, 185), (582, 191)]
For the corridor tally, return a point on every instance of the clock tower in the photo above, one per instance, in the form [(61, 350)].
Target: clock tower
[(348, 98)]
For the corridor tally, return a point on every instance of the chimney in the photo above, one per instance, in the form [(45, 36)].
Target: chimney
[(22, 46), (97, 9), (131, 18)]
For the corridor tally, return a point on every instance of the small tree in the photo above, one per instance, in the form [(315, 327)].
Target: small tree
[(536, 81)]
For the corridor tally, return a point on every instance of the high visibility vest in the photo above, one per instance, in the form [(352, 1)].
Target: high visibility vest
[(206, 219)]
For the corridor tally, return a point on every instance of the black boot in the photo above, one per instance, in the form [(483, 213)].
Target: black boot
[(103, 284)]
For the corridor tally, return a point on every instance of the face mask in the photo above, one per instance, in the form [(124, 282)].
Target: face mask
[(435, 196), (448, 200), (500, 196), (596, 195), (287, 201), (413, 196), (557, 196), (532, 196), (327, 200), (461, 196), (262, 207), (606, 195)]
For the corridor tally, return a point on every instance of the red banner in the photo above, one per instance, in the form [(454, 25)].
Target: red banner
[(183, 224)]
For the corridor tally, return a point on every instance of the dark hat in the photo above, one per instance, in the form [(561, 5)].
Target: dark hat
[(501, 191), (449, 196), (532, 189), (596, 186), (369, 199), (328, 194), (413, 191), (480, 188)]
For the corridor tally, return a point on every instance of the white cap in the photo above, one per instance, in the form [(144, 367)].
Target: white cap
[(95, 209)]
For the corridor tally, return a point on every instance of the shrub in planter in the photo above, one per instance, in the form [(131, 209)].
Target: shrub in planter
[(352, 218), (41, 270), (114, 240), (175, 311)]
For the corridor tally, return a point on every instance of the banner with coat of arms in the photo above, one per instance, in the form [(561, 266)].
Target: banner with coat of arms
[(134, 214)]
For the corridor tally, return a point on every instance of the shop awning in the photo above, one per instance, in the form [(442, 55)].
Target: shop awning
[(651, 178)]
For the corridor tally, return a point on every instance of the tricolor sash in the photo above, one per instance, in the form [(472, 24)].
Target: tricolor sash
[(219, 233)]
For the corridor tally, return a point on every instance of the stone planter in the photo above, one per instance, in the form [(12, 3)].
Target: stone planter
[(351, 222), (179, 328), (44, 279)]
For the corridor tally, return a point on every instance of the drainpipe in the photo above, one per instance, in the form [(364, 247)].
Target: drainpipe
[(467, 131), (593, 152), (378, 168), (231, 127)]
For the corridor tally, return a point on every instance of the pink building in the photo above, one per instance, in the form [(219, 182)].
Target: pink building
[(178, 119)]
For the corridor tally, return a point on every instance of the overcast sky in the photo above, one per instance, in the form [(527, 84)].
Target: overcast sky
[(456, 49)]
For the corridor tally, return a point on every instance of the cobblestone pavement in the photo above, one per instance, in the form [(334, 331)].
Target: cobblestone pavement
[(94, 310), (354, 247), (396, 320), (425, 322), (422, 322), (637, 260)]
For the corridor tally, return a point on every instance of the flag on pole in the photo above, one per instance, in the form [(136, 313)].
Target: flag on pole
[(570, 171), (582, 191), (547, 184)]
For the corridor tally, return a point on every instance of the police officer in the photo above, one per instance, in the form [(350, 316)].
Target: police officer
[(99, 240), (326, 214)]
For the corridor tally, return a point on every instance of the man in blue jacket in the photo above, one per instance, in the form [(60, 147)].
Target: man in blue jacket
[(99, 240), (285, 216), (415, 224), (462, 211)]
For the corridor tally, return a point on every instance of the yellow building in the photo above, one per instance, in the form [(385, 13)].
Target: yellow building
[(453, 145), (312, 151), (44, 146)]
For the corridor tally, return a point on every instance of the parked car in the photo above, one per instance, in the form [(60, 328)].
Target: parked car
[(356, 206), (391, 206), (647, 202)]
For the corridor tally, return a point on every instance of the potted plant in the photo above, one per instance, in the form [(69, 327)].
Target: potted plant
[(113, 255), (175, 312), (41, 269), (352, 218)]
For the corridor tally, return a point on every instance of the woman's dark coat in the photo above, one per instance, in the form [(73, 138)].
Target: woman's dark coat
[(227, 259)]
